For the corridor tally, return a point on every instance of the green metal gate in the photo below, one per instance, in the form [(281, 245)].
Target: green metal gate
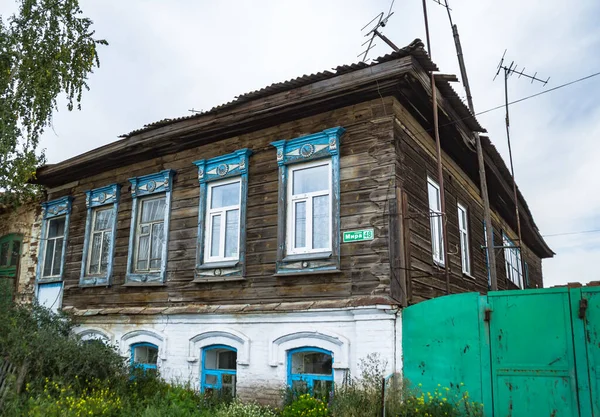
[(520, 353)]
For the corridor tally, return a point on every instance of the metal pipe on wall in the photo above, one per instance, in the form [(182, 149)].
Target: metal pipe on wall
[(440, 167)]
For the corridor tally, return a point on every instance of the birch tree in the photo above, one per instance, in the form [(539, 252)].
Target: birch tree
[(47, 50)]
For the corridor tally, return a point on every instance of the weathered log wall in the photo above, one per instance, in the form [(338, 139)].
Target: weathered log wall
[(367, 182), (416, 161)]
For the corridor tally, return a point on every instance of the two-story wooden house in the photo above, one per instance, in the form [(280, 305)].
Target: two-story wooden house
[(274, 239)]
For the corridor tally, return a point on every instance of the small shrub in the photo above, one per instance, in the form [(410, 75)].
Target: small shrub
[(361, 397), (443, 402), (290, 395), (58, 400), (41, 342), (306, 406), (238, 409)]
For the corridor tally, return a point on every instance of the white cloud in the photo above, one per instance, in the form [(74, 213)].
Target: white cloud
[(167, 57)]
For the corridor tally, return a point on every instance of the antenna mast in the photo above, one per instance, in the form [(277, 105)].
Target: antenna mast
[(487, 217), (508, 71), (375, 31)]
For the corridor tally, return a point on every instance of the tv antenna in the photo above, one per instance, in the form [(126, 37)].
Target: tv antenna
[(381, 21), (508, 71)]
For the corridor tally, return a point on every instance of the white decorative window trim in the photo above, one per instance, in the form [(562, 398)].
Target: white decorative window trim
[(222, 212), (338, 345), (227, 337), (464, 238), (143, 336), (435, 223), (308, 200), (95, 333)]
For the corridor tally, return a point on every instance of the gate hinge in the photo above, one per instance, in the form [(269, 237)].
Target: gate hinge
[(583, 305), (488, 314)]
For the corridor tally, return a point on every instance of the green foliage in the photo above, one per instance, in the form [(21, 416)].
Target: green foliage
[(306, 406), (40, 342), (443, 402), (60, 400), (149, 394), (239, 409), (46, 49), (361, 396)]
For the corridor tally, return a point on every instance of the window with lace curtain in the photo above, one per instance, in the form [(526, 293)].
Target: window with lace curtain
[(100, 233), (148, 240), (52, 249)]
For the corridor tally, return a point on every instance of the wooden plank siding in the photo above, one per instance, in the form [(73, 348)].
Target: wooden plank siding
[(368, 165), (385, 158), (416, 161)]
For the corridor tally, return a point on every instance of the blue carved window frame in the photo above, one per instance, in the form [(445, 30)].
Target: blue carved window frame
[(322, 145), (52, 210), (211, 171), (218, 373), (141, 187), (99, 197), (143, 366), (309, 379)]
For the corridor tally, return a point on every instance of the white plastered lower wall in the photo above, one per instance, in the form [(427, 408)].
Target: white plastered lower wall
[(262, 341)]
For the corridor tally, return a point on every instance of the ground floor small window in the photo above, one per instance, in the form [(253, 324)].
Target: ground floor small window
[(219, 363), (310, 370), (144, 356)]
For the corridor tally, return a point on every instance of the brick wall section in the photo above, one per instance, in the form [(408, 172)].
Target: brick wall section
[(26, 221), (263, 376)]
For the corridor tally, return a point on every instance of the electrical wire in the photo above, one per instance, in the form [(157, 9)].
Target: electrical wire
[(524, 98), (573, 233)]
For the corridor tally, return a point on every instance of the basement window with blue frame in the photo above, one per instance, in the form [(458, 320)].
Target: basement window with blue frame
[(219, 364), (308, 217), (144, 356), (310, 369), (100, 233)]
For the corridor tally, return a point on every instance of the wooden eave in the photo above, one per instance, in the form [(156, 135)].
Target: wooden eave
[(343, 90), (403, 78), (457, 141)]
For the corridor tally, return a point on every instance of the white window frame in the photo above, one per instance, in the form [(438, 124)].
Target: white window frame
[(48, 239), (435, 223), (150, 224), (91, 241), (211, 213), (308, 198), (512, 255), (463, 234)]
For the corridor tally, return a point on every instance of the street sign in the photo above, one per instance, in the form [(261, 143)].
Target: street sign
[(358, 235)]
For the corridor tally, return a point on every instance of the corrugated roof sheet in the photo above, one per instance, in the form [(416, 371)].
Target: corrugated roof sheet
[(416, 49)]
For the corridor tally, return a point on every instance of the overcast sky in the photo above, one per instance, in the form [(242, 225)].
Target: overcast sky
[(166, 57)]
